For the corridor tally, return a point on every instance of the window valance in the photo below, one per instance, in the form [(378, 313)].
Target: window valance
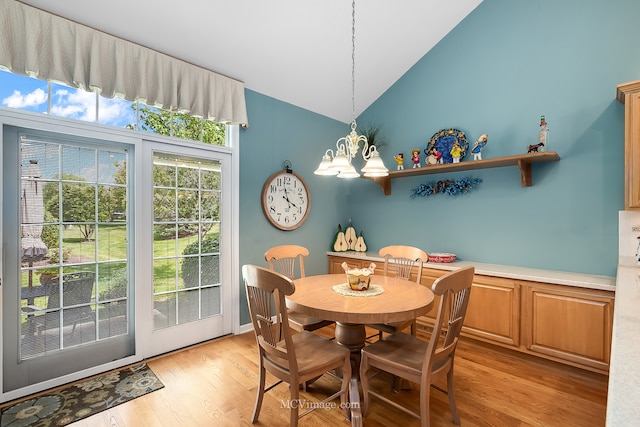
[(46, 46)]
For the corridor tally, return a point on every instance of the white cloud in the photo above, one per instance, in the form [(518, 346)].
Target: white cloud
[(113, 110), (18, 100), (75, 104), (81, 105)]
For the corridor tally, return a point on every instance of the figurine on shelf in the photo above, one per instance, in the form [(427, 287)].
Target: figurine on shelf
[(478, 146), (399, 160), (455, 152), (438, 156), (535, 148), (431, 158), (543, 137), (415, 157)]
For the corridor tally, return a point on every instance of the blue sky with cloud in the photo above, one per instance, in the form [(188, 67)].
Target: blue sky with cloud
[(26, 93)]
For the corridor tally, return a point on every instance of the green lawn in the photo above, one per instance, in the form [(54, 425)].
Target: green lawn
[(112, 247)]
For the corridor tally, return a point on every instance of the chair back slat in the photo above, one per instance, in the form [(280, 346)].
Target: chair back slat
[(286, 266), (263, 307), (459, 302), (403, 267)]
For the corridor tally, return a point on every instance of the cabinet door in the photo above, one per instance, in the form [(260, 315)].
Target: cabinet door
[(494, 311), (629, 94), (571, 324), (632, 151)]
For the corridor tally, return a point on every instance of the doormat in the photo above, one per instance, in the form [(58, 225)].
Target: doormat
[(82, 399)]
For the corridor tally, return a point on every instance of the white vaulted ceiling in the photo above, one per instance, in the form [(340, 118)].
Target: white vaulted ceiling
[(297, 51)]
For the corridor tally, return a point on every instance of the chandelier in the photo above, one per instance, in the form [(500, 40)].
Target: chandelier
[(348, 147)]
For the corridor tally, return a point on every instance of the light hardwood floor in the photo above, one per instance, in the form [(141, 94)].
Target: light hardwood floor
[(214, 384)]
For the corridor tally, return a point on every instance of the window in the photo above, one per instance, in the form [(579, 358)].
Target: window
[(30, 94)]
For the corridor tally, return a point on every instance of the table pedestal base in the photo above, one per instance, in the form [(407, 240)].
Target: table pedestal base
[(353, 337)]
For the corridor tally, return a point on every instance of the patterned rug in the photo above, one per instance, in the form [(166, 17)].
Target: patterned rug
[(82, 399)]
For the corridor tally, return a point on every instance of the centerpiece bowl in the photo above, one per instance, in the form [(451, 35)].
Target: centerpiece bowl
[(359, 279)]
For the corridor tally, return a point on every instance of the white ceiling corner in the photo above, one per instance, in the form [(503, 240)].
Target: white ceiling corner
[(296, 51)]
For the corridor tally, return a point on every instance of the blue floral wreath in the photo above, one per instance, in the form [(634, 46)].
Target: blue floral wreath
[(449, 187)]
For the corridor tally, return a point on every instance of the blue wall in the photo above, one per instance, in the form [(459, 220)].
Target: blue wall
[(277, 132), (501, 68)]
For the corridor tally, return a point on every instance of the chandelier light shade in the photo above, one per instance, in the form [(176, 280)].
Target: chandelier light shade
[(339, 164)]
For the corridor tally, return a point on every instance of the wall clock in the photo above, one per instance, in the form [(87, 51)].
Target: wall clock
[(285, 199)]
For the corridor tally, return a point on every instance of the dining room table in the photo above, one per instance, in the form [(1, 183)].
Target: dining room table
[(388, 299)]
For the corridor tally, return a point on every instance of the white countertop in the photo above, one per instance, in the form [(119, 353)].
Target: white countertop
[(623, 397), (589, 281)]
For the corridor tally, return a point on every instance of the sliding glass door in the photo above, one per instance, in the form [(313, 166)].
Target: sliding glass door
[(66, 213), (115, 249)]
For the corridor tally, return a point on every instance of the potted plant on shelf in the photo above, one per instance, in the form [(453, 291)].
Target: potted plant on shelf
[(373, 135)]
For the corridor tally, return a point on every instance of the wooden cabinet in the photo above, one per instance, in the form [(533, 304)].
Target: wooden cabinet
[(567, 324), (629, 95)]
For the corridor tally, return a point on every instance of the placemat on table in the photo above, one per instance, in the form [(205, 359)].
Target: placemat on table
[(345, 289)]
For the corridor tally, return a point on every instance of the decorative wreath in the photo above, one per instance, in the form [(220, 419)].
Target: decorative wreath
[(449, 187)]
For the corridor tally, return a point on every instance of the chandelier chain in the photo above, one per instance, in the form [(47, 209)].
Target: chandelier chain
[(353, 60)]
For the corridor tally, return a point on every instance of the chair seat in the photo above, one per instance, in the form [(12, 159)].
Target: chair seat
[(301, 322), (402, 349), (314, 352)]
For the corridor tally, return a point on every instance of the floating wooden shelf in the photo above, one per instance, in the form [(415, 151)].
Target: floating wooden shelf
[(523, 161)]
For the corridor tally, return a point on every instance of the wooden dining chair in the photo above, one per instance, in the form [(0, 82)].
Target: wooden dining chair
[(419, 361), (286, 259), (400, 261), (291, 358)]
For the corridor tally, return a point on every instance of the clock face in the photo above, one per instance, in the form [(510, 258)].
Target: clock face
[(285, 200)]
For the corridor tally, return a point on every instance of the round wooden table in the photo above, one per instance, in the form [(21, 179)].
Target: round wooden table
[(401, 300)]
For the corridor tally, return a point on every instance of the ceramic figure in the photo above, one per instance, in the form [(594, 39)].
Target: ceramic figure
[(478, 146), (543, 137), (455, 152), (415, 157), (399, 160)]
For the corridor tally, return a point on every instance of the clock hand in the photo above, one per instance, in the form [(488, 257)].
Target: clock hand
[(290, 202)]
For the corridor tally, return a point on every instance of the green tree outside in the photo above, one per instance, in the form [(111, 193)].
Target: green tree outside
[(79, 203), (179, 125)]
